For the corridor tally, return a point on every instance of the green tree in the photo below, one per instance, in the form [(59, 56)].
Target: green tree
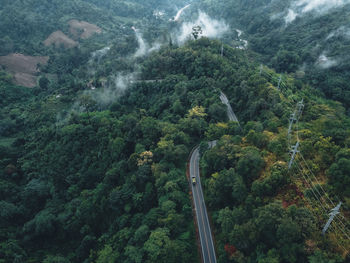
[(196, 31), (249, 165), (55, 259), (338, 174), (157, 244), (107, 255), (286, 61), (44, 83)]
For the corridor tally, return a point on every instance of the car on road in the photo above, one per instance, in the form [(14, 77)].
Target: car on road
[(193, 180)]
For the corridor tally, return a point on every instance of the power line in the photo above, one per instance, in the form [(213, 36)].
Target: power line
[(310, 186), (315, 187), (320, 203), (338, 242), (324, 192), (316, 178), (321, 199), (343, 228), (295, 118)]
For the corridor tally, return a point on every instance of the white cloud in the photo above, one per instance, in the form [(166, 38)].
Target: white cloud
[(320, 5), (95, 59), (244, 42), (100, 53), (341, 31), (290, 17), (144, 48), (325, 62), (159, 14), (301, 7), (211, 28), (113, 89)]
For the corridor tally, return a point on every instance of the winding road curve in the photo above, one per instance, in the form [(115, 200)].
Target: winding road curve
[(231, 115), (204, 230), (205, 235)]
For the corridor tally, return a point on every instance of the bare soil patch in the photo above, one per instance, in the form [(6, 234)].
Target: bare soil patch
[(83, 29), (23, 68), (58, 39)]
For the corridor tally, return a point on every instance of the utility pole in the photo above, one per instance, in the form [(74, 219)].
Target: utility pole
[(294, 151), (279, 81), (332, 214), (222, 50)]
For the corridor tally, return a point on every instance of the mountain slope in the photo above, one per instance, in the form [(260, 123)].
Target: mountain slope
[(316, 42), (93, 159), (111, 184)]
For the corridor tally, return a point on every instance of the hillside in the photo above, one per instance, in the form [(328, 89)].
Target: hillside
[(93, 155), (113, 167), (296, 35)]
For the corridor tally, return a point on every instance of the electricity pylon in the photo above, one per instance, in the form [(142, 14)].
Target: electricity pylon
[(294, 117), (294, 151), (332, 214), (279, 81)]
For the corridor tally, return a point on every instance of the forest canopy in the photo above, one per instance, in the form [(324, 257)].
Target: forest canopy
[(93, 159)]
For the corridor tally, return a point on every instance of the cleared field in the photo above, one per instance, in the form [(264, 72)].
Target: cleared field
[(58, 39), (82, 29), (23, 68)]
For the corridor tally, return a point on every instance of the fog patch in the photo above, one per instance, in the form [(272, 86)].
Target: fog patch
[(245, 42), (341, 31), (302, 7), (98, 54), (95, 59), (144, 48), (290, 16), (159, 14), (113, 89), (319, 5), (141, 51), (211, 28), (155, 46), (325, 62)]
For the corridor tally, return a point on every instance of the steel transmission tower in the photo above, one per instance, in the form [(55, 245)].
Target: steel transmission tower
[(294, 151), (332, 214), (279, 81)]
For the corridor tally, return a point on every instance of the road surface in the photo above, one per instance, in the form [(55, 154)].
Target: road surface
[(204, 230), (206, 239), (231, 115)]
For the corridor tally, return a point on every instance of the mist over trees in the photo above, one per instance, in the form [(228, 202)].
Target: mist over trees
[(319, 27), (93, 159)]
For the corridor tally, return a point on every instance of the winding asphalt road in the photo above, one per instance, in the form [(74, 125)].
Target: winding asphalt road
[(206, 239), (205, 235), (231, 115)]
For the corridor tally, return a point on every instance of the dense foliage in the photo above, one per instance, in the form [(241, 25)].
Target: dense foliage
[(299, 45), (93, 159)]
